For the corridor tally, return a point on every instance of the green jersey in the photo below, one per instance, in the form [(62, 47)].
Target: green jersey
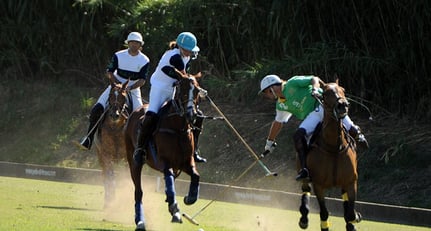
[(297, 97)]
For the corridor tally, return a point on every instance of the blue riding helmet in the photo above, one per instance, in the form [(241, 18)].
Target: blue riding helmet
[(187, 41)]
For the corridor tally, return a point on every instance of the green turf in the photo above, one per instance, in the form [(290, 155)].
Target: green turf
[(44, 205)]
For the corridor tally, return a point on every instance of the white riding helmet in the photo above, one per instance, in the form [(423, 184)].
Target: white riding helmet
[(134, 36), (268, 81)]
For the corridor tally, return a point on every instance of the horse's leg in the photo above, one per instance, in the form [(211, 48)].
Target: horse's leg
[(304, 208), (193, 194), (320, 195), (109, 184), (350, 215), (107, 175), (135, 172), (170, 195)]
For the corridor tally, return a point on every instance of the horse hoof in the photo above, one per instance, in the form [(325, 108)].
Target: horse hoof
[(176, 218), (303, 223), (140, 226), (350, 227), (190, 200), (358, 217)]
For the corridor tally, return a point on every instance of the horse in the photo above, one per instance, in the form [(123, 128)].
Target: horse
[(331, 160), (170, 151), (110, 145)]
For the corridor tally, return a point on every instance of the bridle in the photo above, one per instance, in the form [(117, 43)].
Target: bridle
[(338, 113), (185, 102), (339, 109), (116, 107)]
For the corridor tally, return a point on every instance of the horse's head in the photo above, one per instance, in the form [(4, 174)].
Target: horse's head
[(186, 94), (118, 101), (334, 100)]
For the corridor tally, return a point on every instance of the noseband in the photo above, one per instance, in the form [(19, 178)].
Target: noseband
[(116, 107), (185, 106), (340, 107), (337, 107)]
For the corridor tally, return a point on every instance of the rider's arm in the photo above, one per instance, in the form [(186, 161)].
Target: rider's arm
[(274, 130), (280, 118), (111, 77), (175, 62), (142, 77), (315, 82), (112, 66)]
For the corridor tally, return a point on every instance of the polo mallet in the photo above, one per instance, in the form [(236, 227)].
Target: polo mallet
[(213, 117), (268, 172), (192, 218), (91, 130)]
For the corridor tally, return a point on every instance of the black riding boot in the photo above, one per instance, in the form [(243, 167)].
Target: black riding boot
[(301, 148), (196, 132), (146, 128), (95, 114), (359, 137)]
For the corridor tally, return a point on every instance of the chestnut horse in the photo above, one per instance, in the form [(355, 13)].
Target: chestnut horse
[(170, 150), (331, 160), (110, 146)]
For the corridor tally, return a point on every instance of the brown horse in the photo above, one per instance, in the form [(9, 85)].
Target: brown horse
[(171, 149), (332, 161), (110, 146)]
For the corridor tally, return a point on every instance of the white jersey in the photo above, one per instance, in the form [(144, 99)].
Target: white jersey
[(170, 58), (162, 84), (124, 67)]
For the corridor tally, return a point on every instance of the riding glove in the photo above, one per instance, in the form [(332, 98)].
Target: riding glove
[(203, 93), (270, 146)]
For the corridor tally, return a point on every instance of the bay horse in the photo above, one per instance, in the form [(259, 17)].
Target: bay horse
[(110, 145), (331, 160), (170, 150)]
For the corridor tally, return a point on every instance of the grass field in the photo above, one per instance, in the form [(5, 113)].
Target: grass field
[(44, 205)]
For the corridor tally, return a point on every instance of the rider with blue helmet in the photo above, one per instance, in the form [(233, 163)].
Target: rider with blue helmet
[(180, 53)]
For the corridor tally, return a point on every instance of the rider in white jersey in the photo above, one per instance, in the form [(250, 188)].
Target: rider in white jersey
[(178, 57), (128, 64)]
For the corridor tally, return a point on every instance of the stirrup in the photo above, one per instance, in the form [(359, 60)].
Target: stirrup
[(362, 142), (198, 158), (85, 143), (303, 175)]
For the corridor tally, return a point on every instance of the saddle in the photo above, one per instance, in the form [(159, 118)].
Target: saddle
[(350, 140)]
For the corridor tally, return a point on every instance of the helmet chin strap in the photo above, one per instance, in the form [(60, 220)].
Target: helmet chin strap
[(273, 93)]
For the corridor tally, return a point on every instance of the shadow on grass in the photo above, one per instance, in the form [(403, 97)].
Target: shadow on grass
[(89, 229), (65, 208)]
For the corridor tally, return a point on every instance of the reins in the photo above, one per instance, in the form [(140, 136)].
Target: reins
[(340, 131), (180, 110)]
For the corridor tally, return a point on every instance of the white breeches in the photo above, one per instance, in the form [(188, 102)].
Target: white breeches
[(310, 122), (135, 93), (159, 96)]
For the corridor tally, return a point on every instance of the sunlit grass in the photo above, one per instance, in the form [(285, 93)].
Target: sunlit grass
[(43, 206)]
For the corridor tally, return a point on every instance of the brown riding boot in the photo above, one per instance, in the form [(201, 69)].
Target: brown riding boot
[(359, 137), (95, 114), (300, 143), (146, 128)]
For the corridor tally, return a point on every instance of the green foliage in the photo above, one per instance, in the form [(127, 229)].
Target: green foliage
[(378, 49)]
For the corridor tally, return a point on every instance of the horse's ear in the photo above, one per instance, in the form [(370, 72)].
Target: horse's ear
[(126, 84), (321, 82), (180, 73), (112, 85), (198, 75), (336, 81)]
